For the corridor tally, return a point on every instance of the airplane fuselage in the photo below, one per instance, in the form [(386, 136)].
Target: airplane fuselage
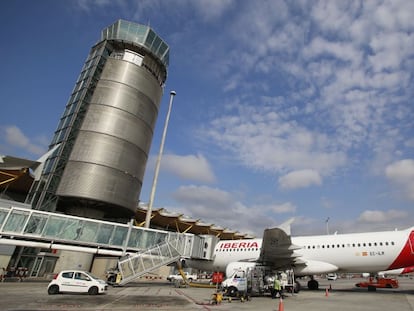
[(353, 253)]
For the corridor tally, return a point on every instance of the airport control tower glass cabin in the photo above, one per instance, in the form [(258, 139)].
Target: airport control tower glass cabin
[(105, 132)]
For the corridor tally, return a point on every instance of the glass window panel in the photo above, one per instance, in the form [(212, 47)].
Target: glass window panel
[(16, 221), (54, 226), (150, 38), (86, 231), (141, 34), (3, 214), (149, 239), (104, 233), (36, 224), (135, 238), (156, 44), (162, 49), (119, 236)]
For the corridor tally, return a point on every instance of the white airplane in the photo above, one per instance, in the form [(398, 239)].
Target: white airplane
[(309, 255)]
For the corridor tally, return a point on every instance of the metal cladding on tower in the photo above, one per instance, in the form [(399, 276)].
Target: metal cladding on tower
[(108, 158)]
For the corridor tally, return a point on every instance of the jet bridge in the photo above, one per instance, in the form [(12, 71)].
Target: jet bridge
[(141, 250)]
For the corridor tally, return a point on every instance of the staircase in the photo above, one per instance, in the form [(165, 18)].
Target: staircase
[(136, 265)]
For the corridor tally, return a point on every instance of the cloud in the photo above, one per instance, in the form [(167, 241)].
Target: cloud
[(213, 204), (262, 139), (210, 10), (375, 216), (189, 167), (287, 207), (401, 174), (16, 138), (300, 179)]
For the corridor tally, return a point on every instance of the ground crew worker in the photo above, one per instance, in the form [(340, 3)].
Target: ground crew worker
[(277, 288)]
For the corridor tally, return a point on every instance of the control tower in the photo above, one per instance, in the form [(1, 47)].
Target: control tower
[(105, 132)]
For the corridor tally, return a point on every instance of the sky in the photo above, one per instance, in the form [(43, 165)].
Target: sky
[(284, 109)]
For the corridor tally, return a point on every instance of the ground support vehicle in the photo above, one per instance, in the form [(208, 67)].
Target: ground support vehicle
[(373, 283), (257, 281), (178, 276)]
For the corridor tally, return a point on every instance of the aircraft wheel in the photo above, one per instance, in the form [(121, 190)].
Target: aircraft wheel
[(297, 287), (313, 285)]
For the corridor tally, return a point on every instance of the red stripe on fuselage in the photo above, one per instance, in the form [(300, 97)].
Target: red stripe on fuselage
[(406, 256)]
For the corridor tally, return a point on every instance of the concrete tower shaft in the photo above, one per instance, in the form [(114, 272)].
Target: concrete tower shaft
[(108, 159), (106, 131)]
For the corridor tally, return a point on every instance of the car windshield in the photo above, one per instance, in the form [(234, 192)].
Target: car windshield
[(92, 276)]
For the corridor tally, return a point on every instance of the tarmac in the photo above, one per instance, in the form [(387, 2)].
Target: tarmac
[(161, 295)]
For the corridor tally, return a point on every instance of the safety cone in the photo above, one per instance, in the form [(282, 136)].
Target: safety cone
[(281, 306), (326, 292)]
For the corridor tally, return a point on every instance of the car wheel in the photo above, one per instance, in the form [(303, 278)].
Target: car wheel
[(93, 290), (53, 290)]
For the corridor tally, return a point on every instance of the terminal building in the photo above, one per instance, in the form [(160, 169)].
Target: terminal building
[(98, 154)]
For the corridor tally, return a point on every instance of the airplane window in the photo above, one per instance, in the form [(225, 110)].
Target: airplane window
[(338, 245), (375, 243), (313, 246), (353, 244), (392, 243), (333, 246), (327, 246), (380, 243), (364, 244), (369, 244), (323, 246), (359, 244), (386, 243)]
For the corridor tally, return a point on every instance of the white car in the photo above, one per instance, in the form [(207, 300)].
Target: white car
[(76, 281), (331, 276)]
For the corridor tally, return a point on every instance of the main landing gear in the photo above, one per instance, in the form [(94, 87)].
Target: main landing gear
[(313, 284)]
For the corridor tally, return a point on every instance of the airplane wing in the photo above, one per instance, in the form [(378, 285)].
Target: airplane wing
[(277, 248), (279, 252)]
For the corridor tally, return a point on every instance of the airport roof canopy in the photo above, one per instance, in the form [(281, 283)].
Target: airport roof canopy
[(15, 174), (161, 218)]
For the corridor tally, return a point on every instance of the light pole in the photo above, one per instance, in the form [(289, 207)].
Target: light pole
[(327, 226), (157, 164)]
